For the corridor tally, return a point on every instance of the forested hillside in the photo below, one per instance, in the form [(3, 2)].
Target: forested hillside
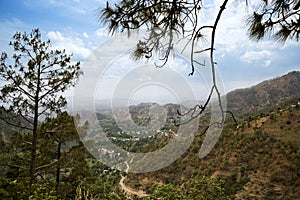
[(256, 158)]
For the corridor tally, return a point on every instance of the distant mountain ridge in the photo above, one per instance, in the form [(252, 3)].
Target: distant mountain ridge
[(269, 92)]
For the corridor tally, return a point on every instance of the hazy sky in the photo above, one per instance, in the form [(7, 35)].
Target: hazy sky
[(73, 25)]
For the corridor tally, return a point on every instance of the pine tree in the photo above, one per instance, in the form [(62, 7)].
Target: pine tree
[(33, 84)]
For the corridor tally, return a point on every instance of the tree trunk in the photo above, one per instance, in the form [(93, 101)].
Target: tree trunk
[(58, 166), (33, 147), (35, 128)]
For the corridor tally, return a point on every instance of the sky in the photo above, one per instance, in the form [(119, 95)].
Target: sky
[(73, 25)]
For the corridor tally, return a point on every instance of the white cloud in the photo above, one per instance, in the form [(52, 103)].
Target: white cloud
[(85, 35), (231, 31), (267, 63), (102, 32), (73, 45), (263, 56)]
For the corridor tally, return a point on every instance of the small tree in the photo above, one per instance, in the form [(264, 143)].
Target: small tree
[(207, 188), (168, 191), (33, 84), (62, 132)]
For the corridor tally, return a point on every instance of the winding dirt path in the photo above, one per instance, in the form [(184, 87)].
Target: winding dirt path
[(128, 190)]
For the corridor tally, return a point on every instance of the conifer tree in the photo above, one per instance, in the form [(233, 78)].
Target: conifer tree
[(34, 83)]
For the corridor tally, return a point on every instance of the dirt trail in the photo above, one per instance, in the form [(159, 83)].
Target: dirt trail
[(129, 191)]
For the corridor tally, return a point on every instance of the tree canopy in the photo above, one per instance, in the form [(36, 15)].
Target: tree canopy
[(33, 85)]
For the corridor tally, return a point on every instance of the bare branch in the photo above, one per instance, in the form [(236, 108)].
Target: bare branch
[(46, 165), (13, 124), (14, 166), (208, 49)]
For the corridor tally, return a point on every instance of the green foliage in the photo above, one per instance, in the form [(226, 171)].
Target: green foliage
[(167, 192), (58, 177), (33, 84), (263, 161), (261, 153), (41, 191), (37, 75), (60, 129), (61, 143), (232, 185), (9, 189), (207, 189), (18, 190), (260, 158)]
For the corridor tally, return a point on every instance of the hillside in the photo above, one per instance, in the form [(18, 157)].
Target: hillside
[(269, 93), (259, 159)]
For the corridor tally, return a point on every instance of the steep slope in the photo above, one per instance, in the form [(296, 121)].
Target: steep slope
[(259, 159), (268, 93)]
